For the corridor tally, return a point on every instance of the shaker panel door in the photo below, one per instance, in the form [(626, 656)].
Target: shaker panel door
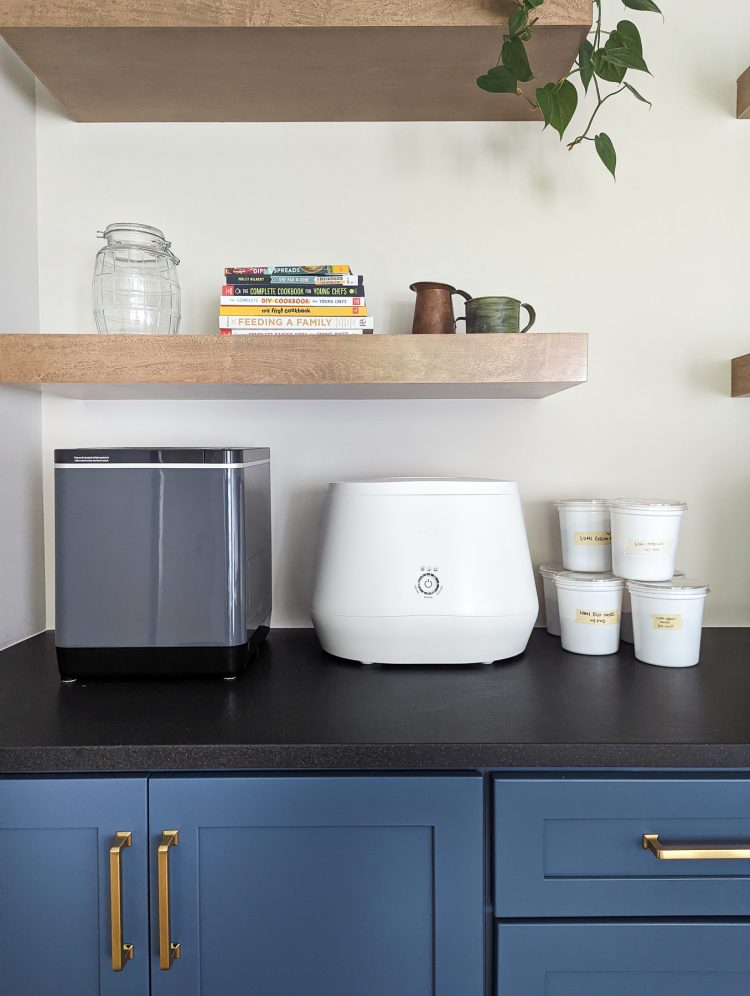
[(623, 959), (321, 886), (55, 838)]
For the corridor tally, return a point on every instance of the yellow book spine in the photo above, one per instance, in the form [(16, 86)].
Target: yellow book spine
[(272, 311)]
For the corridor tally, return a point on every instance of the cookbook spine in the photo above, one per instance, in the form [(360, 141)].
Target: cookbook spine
[(292, 290), (336, 279), (309, 304), (281, 311), (311, 324), (255, 271)]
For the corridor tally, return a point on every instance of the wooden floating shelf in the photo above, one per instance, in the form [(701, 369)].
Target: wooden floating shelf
[(743, 95), (283, 60), (741, 376), (293, 366)]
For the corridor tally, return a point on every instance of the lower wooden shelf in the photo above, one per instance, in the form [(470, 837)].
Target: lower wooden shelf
[(292, 366), (741, 376)]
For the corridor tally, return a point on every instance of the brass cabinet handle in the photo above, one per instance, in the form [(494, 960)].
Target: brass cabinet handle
[(168, 949), (121, 953), (678, 852)]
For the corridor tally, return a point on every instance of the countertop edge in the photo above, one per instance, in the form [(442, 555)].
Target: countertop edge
[(96, 759)]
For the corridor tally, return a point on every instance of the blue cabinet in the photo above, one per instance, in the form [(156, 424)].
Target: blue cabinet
[(55, 886), (319, 886), (623, 959)]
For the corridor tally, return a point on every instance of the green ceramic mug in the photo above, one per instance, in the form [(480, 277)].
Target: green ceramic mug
[(496, 314)]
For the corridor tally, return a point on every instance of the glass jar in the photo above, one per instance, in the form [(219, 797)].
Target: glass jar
[(135, 286)]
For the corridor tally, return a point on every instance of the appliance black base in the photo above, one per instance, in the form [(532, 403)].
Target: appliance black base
[(157, 662)]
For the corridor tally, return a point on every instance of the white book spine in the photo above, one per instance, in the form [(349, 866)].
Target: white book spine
[(294, 332), (293, 302), (264, 323)]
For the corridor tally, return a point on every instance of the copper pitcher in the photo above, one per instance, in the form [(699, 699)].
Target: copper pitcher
[(433, 312)]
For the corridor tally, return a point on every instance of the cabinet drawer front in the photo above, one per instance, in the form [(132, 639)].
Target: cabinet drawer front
[(623, 959), (574, 847)]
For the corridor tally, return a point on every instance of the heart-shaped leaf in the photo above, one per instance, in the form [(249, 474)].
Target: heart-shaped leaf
[(517, 23), (584, 63), (605, 69), (626, 59), (546, 103), (557, 102), (566, 96), (642, 5), (631, 36), (638, 95), (606, 152), (514, 58), (498, 80), (615, 40)]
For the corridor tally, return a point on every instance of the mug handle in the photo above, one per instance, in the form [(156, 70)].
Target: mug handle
[(532, 316)]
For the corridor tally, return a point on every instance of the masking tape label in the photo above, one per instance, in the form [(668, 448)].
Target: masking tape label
[(660, 621), (646, 546), (592, 539), (593, 617)]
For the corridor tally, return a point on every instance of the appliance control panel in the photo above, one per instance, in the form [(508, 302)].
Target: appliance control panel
[(428, 583)]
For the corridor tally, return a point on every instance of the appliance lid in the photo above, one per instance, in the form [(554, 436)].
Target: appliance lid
[(182, 455), (404, 486)]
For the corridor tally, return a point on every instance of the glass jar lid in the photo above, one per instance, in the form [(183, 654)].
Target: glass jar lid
[(648, 505), (675, 586), (135, 234), (596, 582)]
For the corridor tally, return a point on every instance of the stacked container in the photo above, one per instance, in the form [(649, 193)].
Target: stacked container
[(619, 581)]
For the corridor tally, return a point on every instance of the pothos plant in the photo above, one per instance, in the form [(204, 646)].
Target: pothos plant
[(605, 58)]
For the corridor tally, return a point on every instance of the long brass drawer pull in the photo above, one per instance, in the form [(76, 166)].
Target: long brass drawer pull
[(121, 953), (679, 852), (168, 949)]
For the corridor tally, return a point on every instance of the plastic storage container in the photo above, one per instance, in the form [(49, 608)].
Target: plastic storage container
[(590, 607), (645, 534), (551, 609), (626, 620), (585, 534), (667, 621)]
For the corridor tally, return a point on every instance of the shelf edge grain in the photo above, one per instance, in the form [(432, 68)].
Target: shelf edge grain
[(279, 360), (741, 376)]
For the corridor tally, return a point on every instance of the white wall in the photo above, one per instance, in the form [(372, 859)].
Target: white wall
[(21, 533), (653, 267)]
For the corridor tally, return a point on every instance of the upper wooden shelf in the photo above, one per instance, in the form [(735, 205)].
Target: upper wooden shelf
[(283, 60), (743, 95), (283, 366), (741, 376)]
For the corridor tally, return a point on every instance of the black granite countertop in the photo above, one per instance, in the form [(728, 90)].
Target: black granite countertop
[(297, 708)]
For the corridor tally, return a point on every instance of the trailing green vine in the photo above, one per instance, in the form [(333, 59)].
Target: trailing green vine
[(605, 57)]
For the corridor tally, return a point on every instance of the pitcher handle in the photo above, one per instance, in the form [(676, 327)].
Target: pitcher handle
[(464, 295), (461, 318), (532, 316)]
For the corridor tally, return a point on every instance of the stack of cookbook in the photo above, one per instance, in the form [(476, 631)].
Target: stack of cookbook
[(294, 300)]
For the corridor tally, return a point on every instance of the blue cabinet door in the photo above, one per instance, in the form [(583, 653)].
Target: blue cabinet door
[(55, 930), (624, 959), (320, 886)]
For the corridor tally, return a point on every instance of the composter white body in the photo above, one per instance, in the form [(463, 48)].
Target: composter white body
[(416, 571)]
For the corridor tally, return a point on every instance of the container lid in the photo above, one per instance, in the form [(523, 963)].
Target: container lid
[(648, 505), (586, 504), (392, 486), (597, 582), (157, 455), (550, 570), (675, 586)]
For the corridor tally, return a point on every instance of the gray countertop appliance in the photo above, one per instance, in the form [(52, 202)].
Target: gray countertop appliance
[(163, 560)]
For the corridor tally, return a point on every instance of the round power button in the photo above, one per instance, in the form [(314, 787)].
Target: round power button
[(428, 584)]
